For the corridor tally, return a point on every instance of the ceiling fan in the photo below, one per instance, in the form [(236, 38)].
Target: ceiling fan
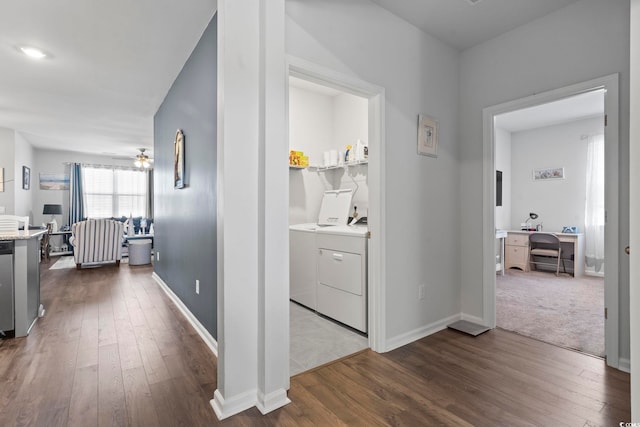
[(142, 160)]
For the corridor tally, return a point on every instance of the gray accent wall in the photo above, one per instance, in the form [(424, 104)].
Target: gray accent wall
[(185, 219)]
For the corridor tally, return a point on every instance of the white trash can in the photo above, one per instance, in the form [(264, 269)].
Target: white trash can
[(139, 252)]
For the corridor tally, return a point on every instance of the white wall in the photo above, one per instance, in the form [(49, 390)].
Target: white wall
[(318, 123), (55, 161), (310, 131), (419, 75), (635, 210), (557, 202), (350, 123), (503, 163), (569, 46), (7, 155), (24, 157), (16, 152)]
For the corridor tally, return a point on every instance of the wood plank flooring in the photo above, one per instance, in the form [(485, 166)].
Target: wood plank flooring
[(113, 350)]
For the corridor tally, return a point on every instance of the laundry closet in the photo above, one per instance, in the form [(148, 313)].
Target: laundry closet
[(328, 202)]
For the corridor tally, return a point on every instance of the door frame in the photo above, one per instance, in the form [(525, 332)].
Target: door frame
[(611, 288), (297, 67)]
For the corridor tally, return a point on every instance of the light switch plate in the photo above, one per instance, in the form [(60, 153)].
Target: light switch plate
[(2, 209)]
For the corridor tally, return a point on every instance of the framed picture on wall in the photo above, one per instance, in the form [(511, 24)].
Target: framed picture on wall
[(543, 174), (178, 160), (26, 178), (427, 136)]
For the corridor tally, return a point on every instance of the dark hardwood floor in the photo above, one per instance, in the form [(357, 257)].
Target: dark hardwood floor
[(113, 350)]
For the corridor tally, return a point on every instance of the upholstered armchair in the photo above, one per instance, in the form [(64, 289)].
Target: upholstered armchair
[(97, 241)]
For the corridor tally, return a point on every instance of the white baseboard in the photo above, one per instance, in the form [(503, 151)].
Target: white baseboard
[(473, 319), (272, 401), (200, 329), (225, 408), (624, 365), (424, 331)]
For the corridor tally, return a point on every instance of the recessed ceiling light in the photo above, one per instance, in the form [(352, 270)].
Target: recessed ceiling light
[(33, 52), (473, 2)]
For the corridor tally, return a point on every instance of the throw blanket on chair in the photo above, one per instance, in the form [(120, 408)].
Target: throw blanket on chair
[(97, 240)]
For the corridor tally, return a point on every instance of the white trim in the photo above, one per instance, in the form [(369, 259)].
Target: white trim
[(377, 198), (229, 407), (610, 84), (470, 318), (272, 401), (200, 329), (421, 332), (624, 365)]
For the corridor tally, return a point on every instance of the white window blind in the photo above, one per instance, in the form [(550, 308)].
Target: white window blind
[(111, 192)]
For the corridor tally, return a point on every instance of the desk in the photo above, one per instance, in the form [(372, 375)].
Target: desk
[(517, 251)]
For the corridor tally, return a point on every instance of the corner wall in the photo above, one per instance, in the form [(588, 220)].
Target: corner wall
[(7, 148), (554, 51), (24, 157), (185, 219), (560, 202)]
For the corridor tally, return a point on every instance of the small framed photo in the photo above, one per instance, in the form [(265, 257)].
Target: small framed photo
[(26, 178), (543, 174), (427, 136)]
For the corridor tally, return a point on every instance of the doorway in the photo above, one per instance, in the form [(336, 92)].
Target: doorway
[(609, 85), (551, 160), (307, 75)]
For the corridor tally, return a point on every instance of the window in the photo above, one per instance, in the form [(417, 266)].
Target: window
[(113, 192)]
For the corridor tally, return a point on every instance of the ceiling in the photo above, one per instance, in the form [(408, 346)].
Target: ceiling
[(586, 105), (466, 23), (111, 63)]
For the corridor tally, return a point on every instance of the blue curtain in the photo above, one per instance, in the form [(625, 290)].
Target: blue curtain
[(76, 199)]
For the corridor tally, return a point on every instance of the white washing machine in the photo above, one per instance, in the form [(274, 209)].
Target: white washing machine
[(328, 263), (302, 264)]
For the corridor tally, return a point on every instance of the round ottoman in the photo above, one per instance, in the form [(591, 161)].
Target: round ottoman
[(139, 252)]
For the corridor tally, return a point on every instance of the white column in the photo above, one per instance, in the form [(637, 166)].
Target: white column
[(273, 303), (634, 238), (253, 345)]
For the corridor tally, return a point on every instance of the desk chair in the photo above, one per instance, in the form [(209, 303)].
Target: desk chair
[(547, 246)]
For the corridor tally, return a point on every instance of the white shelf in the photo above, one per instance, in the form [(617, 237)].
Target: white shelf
[(297, 167), (342, 166)]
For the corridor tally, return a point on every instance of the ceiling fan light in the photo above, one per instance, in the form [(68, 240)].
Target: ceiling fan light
[(142, 160)]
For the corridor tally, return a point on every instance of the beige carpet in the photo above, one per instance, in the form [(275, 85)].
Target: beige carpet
[(565, 311)]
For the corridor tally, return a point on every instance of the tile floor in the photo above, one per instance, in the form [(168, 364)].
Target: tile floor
[(316, 340)]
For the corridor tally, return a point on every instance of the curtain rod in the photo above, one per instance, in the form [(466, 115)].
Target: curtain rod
[(95, 165), (587, 136)]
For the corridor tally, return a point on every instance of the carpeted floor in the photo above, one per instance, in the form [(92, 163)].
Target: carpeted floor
[(565, 311)]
